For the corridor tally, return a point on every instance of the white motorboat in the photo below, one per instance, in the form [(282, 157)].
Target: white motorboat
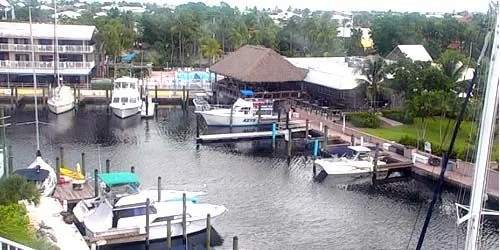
[(347, 169), (200, 103), (148, 107), (123, 207), (40, 173), (61, 100), (245, 112), (126, 100)]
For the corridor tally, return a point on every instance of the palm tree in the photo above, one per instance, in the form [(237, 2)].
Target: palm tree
[(375, 70), (210, 48)]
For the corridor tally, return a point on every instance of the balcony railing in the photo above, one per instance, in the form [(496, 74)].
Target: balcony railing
[(47, 48), (45, 65)]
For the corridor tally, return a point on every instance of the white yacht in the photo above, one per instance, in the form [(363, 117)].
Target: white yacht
[(122, 207), (243, 113), (347, 169), (61, 100), (126, 99)]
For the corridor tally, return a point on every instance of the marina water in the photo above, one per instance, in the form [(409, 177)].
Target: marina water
[(272, 202)]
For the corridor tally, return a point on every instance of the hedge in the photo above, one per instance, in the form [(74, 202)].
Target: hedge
[(398, 115), (364, 119)]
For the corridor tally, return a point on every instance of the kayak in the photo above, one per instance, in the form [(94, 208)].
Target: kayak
[(75, 175)]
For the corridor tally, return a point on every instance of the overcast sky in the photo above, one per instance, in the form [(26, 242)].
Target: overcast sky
[(350, 5)]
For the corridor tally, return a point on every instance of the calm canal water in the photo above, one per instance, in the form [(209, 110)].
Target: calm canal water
[(273, 203)]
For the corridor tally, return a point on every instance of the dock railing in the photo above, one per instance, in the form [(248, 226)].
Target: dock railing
[(11, 245)]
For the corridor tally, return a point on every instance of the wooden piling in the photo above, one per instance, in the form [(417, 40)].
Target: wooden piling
[(61, 156), (43, 96), (156, 93), (184, 210), (231, 118), (96, 183), (375, 161), (197, 127), (132, 169), (11, 97), (209, 231), (108, 165), (279, 115), (169, 235), (83, 164), (325, 133), (290, 142), (10, 163), (287, 120), (352, 140), (147, 223), (16, 94), (58, 169), (107, 94), (235, 243), (186, 101), (183, 102), (307, 131), (79, 96), (259, 115), (159, 188), (147, 105), (74, 92)]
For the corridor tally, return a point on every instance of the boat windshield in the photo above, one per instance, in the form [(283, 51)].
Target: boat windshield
[(124, 99), (116, 99)]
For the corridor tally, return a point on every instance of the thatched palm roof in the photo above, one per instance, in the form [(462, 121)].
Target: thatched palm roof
[(258, 64)]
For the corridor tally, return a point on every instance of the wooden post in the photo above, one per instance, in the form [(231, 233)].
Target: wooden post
[(273, 134), (17, 97), (186, 101), (156, 93), (197, 127), (235, 243), (83, 164), (79, 96), (169, 235), (290, 142), (375, 161), (96, 183), (287, 120), (132, 169), (10, 160), (279, 115), (231, 118), (184, 208), (325, 132), (43, 96), (183, 96), (352, 140), (107, 94), (259, 114), (159, 188), (74, 92), (61, 156), (147, 223), (58, 170), (307, 131), (147, 105), (209, 231), (11, 97), (108, 165)]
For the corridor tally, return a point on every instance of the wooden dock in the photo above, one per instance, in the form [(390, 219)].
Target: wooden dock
[(65, 192), (232, 137)]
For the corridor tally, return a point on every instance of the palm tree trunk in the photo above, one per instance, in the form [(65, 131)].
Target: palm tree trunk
[(114, 70)]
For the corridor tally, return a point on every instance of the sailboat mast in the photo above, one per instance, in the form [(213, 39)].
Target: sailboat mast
[(56, 47), (34, 80), (484, 144)]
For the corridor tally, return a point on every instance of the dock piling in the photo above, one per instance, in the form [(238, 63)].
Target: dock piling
[(184, 208), (316, 148), (259, 115), (325, 133), (169, 235), (231, 118), (58, 170), (352, 140), (96, 183), (156, 93), (343, 123), (375, 161), (287, 121), (197, 127), (108, 165), (159, 188), (10, 163), (83, 164), (235, 243), (279, 115), (307, 131), (183, 101), (274, 134), (61, 156), (186, 101), (209, 231), (147, 223), (147, 106), (132, 169), (290, 142)]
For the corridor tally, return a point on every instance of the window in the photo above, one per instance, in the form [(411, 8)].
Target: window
[(21, 41), (116, 99), (22, 57), (132, 100), (124, 99), (137, 211), (4, 40), (46, 58)]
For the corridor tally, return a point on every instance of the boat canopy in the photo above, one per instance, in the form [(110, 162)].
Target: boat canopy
[(119, 178), (361, 149), (33, 174), (246, 92)]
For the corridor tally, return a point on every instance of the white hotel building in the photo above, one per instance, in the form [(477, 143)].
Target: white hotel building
[(76, 53)]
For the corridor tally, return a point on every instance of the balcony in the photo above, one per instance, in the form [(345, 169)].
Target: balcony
[(80, 49), (65, 68)]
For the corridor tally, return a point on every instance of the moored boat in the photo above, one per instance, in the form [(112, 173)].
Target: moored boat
[(126, 100), (244, 112)]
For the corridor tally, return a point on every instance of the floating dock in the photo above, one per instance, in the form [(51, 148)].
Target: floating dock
[(232, 137)]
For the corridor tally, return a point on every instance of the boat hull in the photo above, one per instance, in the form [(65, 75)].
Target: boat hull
[(214, 119), (341, 179), (59, 108), (125, 112)]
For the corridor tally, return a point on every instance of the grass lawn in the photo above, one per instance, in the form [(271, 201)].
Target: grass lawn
[(432, 134)]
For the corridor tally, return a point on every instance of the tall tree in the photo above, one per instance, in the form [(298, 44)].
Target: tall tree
[(375, 69), (210, 48)]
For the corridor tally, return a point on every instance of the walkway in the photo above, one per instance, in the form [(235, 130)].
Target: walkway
[(460, 174)]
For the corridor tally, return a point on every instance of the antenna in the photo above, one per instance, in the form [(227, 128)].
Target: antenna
[(56, 47), (34, 80)]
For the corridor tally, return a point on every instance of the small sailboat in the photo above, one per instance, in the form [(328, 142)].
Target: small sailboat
[(61, 99), (39, 171), (126, 99)]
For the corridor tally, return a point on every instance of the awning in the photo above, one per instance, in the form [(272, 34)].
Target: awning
[(246, 92)]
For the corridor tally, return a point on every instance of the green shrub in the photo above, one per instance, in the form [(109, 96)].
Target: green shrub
[(398, 115), (15, 188), (364, 119), (408, 141)]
